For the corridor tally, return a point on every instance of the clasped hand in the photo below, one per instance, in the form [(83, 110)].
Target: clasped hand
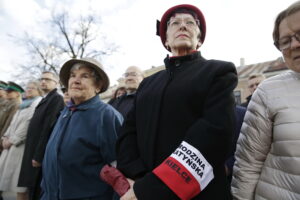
[(6, 143), (129, 195)]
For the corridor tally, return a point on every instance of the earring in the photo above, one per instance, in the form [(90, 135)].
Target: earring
[(199, 44), (167, 45)]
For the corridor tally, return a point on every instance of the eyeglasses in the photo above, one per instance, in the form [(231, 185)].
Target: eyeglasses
[(130, 74), (188, 22), (46, 79), (285, 42)]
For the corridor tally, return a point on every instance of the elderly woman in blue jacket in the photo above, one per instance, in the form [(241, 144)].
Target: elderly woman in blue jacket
[(83, 139)]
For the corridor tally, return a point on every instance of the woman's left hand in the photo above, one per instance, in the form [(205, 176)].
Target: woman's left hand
[(129, 195), (36, 163)]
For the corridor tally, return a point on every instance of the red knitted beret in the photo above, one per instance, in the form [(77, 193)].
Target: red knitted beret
[(162, 25)]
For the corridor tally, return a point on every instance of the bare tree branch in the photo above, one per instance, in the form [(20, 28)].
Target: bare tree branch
[(59, 21), (65, 38)]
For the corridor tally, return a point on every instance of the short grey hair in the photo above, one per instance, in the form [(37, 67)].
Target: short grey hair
[(55, 76)]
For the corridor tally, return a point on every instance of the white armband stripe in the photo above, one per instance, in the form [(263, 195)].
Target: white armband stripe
[(192, 159), (186, 172)]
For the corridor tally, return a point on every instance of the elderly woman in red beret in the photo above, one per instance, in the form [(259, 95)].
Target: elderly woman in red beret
[(176, 138)]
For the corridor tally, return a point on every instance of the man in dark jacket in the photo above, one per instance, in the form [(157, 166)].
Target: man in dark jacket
[(39, 130), (133, 78), (239, 115), (253, 81)]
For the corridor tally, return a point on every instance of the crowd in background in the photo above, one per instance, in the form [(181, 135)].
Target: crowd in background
[(177, 134)]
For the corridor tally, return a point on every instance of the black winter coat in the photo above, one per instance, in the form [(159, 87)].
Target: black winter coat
[(124, 103), (39, 130), (183, 112)]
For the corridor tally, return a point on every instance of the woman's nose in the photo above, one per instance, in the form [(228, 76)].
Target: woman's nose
[(77, 79), (295, 43)]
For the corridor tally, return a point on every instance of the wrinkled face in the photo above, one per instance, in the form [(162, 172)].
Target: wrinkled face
[(288, 27), (31, 91), (48, 82), (253, 83), (2, 93), (183, 33), (82, 85), (11, 95), (133, 78)]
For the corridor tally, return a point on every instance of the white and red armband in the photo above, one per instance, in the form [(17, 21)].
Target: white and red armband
[(186, 172)]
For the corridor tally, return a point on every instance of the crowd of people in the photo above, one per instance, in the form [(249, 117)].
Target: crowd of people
[(177, 134)]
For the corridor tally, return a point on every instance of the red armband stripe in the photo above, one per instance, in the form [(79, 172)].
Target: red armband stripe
[(178, 178)]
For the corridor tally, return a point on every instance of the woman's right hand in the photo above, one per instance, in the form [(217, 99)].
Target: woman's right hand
[(6, 143)]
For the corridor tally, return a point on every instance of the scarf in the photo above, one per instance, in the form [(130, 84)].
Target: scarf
[(27, 102)]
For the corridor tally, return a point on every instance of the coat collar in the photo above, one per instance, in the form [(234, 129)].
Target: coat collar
[(47, 97), (85, 105), (172, 63)]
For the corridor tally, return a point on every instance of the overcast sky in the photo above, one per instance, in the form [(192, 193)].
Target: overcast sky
[(235, 29)]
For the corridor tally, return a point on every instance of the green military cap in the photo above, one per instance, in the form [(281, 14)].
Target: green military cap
[(2, 85), (11, 86)]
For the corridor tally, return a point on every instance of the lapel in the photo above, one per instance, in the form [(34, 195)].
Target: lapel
[(47, 97)]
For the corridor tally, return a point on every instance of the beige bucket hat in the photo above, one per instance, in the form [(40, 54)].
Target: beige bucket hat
[(64, 73)]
